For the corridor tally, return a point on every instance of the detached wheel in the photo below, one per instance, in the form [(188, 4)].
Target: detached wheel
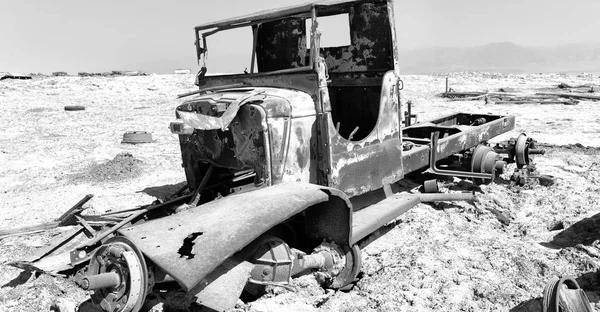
[(136, 137), (564, 294), (74, 108), (118, 276), (351, 269)]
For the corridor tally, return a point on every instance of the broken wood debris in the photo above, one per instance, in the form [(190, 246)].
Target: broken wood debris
[(67, 218), (571, 96), (511, 96), (455, 94), (584, 88)]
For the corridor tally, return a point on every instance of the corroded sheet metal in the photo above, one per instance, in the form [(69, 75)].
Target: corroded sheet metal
[(293, 150), (370, 41), (305, 81), (205, 122), (281, 44), (240, 147), (361, 166), (191, 244), (259, 131)]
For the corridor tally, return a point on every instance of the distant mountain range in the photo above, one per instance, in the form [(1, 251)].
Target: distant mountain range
[(503, 57)]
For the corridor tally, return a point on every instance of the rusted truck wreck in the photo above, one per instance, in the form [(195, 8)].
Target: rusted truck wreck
[(291, 166)]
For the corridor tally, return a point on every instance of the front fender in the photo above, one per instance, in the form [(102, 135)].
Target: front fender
[(191, 244)]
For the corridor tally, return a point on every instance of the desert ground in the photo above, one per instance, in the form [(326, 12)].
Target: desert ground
[(440, 257)]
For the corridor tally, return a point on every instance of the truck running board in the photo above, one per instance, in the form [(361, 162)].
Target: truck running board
[(371, 218)]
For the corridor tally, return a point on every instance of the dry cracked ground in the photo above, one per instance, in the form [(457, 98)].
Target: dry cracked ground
[(492, 255)]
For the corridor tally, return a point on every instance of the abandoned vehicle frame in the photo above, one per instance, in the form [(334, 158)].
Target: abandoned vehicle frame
[(292, 166)]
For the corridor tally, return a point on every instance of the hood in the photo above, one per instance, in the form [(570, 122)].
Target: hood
[(217, 110)]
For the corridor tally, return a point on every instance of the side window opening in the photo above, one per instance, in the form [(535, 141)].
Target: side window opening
[(335, 30)]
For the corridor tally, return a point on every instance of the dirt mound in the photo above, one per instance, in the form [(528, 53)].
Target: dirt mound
[(123, 167)]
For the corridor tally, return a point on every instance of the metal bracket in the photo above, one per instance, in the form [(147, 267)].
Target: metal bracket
[(433, 158)]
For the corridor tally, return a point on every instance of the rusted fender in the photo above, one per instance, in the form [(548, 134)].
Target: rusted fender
[(191, 244)]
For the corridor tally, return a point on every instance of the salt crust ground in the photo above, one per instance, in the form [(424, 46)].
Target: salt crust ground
[(444, 257)]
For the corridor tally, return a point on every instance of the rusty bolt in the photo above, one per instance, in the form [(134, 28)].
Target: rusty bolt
[(266, 272)]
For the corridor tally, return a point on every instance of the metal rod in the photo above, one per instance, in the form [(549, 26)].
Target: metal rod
[(203, 183), (446, 84), (535, 151), (433, 159), (215, 88), (321, 260), (353, 133), (149, 207), (113, 229), (99, 281), (254, 35), (446, 197), (409, 106), (76, 206)]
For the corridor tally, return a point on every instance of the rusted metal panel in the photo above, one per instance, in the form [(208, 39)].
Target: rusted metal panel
[(191, 244), (205, 112), (370, 41), (305, 81), (240, 147), (360, 166), (279, 135), (395, 56), (281, 44), (293, 150), (223, 287), (296, 103), (259, 131)]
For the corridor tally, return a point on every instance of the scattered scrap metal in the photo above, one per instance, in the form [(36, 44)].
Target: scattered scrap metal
[(70, 217), (113, 73), (137, 137)]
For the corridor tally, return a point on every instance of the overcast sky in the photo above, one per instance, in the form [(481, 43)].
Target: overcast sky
[(157, 36)]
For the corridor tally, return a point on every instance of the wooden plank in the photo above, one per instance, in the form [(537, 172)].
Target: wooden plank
[(29, 229), (537, 102), (573, 96)]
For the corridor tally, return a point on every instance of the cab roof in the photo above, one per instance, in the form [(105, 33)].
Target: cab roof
[(324, 7)]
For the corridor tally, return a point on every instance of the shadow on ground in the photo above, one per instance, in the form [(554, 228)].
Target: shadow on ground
[(585, 232), (22, 278), (531, 305), (163, 191)]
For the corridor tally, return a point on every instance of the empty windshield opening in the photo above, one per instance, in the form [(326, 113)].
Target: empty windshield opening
[(230, 51)]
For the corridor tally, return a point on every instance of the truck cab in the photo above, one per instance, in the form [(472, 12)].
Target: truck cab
[(307, 111)]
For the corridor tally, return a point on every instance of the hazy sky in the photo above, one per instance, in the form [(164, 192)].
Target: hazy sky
[(157, 36)]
